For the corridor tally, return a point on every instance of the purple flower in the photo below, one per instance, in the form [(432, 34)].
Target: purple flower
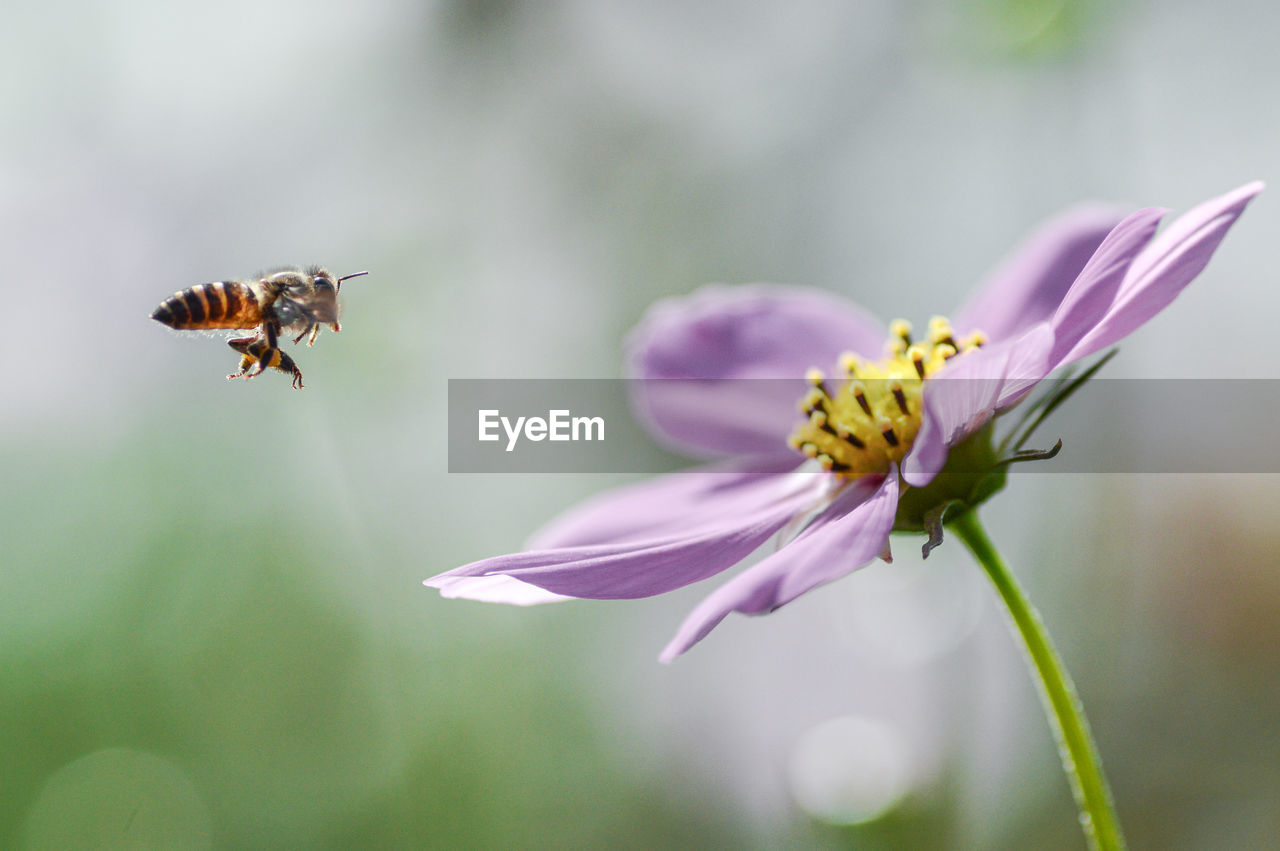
[(874, 448)]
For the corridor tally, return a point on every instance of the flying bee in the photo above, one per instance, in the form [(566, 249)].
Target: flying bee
[(283, 302)]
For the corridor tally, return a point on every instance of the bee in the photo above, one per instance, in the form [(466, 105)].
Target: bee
[(282, 302)]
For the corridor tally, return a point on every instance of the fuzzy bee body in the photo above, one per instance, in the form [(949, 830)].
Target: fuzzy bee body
[(285, 301)]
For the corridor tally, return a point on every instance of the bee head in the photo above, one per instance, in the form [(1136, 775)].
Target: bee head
[(308, 296), (322, 282), (318, 279)]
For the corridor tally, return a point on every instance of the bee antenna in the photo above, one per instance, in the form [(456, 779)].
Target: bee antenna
[(352, 275)]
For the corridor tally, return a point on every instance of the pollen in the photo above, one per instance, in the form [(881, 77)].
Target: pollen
[(864, 420)]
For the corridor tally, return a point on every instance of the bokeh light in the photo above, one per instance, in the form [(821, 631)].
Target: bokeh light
[(849, 770)]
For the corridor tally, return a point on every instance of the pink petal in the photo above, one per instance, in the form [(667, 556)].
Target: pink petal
[(1156, 276), (968, 393), (712, 540), (851, 532), (694, 352), (662, 504), (1027, 287), (493, 589), (1099, 281), (718, 418)]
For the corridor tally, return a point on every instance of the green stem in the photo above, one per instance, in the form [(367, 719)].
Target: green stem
[(1066, 715)]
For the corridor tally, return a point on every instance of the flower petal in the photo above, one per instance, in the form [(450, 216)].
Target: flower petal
[(1027, 287), (1159, 273), (1095, 288), (716, 538), (973, 387), (494, 589), (852, 531), (721, 335), (1095, 313), (675, 502)]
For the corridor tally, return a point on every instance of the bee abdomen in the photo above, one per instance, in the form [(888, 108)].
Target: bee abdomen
[(223, 304)]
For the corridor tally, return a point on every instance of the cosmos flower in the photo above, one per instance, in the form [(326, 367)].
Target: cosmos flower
[(871, 453)]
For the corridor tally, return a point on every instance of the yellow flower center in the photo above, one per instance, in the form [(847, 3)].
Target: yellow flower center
[(868, 419)]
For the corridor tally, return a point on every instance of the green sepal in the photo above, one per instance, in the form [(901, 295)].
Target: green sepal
[(1033, 454), (1040, 409), (934, 519), (972, 475)]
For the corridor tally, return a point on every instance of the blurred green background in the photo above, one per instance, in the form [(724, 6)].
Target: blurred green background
[(212, 627)]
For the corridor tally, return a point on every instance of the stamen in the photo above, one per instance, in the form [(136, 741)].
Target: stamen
[(818, 419), (860, 395), (886, 429), (940, 330), (817, 377), (831, 465), (917, 359), (814, 400), (901, 329), (895, 387), (885, 397)]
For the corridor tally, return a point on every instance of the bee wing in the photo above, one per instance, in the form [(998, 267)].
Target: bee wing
[(292, 314), (302, 314)]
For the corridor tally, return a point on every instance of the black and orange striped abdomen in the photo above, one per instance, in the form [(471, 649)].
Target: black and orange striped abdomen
[(223, 304)]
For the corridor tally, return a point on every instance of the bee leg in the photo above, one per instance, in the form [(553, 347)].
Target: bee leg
[(245, 363), (256, 350), (284, 363), (261, 349), (247, 347), (270, 333), (276, 358), (312, 328)]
